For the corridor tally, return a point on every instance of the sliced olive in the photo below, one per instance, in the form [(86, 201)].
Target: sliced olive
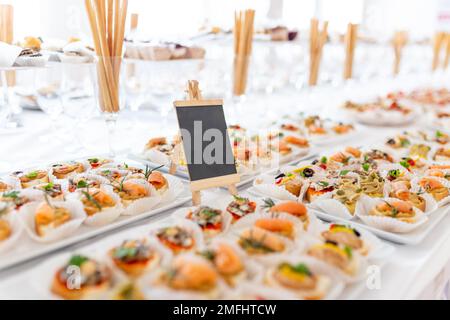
[(308, 173), (280, 176)]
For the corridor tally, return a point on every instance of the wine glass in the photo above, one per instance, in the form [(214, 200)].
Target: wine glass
[(4, 101), (135, 84), (48, 96), (79, 99)]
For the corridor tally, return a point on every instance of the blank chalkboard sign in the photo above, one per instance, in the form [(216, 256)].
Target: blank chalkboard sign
[(206, 141)]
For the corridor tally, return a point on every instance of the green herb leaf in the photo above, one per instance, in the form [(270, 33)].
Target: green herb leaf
[(301, 269), (239, 199), (404, 143), (394, 173), (366, 167), (122, 252), (11, 195), (323, 184), (49, 187), (82, 184), (268, 203), (78, 260), (149, 171), (324, 160), (91, 199), (394, 211), (208, 254), (344, 172), (404, 164), (348, 251), (32, 175)]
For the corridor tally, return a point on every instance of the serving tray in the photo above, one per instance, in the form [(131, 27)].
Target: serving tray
[(245, 179), (411, 238)]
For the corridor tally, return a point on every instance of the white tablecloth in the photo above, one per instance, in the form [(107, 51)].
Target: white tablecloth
[(421, 271)]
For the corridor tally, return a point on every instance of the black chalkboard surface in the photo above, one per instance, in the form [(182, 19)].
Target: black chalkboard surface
[(205, 139)]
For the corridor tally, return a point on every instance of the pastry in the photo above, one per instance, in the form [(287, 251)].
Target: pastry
[(176, 238), (295, 209), (49, 217), (256, 241), (190, 274), (337, 255), (52, 190), (5, 229), (434, 187), (32, 178), (240, 208), (299, 279), (282, 227), (347, 236), (94, 280), (208, 219), (399, 210), (157, 180), (135, 257), (95, 201), (226, 261), (63, 171)]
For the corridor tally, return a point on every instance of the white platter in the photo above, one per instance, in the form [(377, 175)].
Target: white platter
[(413, 238), (245, 179)]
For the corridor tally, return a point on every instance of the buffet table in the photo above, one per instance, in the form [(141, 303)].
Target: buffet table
[(412, 272)]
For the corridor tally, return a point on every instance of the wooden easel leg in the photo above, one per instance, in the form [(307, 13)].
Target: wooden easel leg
[(173, 168), (233, 190), (196, 198)]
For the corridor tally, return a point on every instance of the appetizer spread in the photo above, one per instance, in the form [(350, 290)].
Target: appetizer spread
[(381, 111), (318, 129), (253, 152), (267, 249), (405, 179), (67, 200)]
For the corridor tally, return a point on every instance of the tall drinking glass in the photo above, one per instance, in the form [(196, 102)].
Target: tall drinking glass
[(79, 97), (48, 82)]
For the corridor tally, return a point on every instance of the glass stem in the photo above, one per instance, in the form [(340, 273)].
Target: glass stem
[(111, 124)]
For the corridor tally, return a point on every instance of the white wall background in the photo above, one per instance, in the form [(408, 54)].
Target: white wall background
[(65, 18)]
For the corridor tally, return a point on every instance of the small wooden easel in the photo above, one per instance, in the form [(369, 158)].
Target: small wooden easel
[(195, 99)]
